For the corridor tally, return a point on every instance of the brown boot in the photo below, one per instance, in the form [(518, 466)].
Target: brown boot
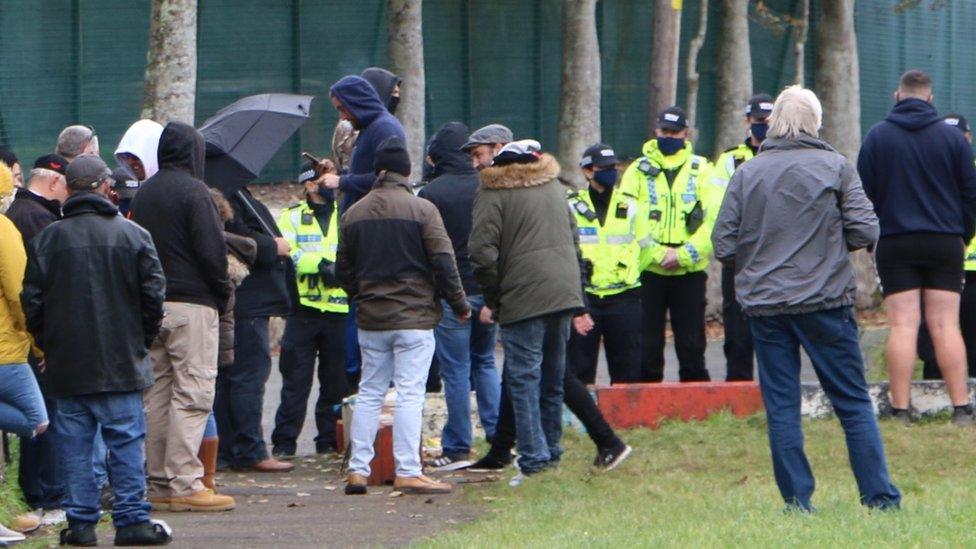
[(355, 485), (203, 501), (208, 456), (421, 485)]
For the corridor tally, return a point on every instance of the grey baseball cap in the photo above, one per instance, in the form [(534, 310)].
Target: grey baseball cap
[(86, 172), (489, 135)]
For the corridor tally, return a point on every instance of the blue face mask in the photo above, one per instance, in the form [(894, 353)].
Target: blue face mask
[(606, 177), (670, 145), (758, 131)]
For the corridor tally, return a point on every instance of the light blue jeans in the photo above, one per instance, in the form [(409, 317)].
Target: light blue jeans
[(22, 409), (402, 356)]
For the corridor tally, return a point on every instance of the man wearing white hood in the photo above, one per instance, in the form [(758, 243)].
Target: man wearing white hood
[(137, 149)]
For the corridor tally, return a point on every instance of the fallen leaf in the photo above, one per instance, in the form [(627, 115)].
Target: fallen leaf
[(416, 516), (262, 501), (742, 480), (452, 521), (489, 498), (429, 500), (303, 494), (330, 488), (391, 511), (395, 494), (296, 505)]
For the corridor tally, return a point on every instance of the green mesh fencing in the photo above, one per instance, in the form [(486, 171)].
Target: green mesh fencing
[(67, 61)]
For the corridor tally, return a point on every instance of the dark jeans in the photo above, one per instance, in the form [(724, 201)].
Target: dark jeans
[(684, 297), (830, 339), (967, 323), (41, 469), (535, 363), (617, 319), (579, 401), (307, 337), (738, 336), (123, 428), (239, 399)]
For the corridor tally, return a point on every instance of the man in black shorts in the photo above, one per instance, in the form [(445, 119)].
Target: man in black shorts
[(919, 173)]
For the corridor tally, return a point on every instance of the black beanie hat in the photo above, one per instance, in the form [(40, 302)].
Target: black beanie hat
[(392, 156)]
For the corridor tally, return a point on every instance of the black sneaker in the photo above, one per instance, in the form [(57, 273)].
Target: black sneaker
[(609, 458), (490, 464), (79, 536), (283, 453), (901, 416), (962, 416), (152, 532), (450, 462)]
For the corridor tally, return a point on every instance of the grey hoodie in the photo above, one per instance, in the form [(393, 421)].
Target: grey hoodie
[(788, 220)]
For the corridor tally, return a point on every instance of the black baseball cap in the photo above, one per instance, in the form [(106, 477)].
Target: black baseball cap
[(760, 106), (598, 156), (53, 162), (958, 121), (672, 118), (308, 173)]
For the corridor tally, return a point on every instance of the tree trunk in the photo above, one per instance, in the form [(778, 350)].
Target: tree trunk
[(579, 117), (800, 41), (665, 41), (692, 66), (405, 50), (838, 86), (171, 62), (735, 74)]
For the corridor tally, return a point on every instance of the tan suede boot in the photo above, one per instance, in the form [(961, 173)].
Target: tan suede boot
[(421, 485), (208, 456), (203, 501)]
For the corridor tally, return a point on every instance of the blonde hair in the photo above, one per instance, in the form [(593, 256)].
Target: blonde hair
[(796, 111)]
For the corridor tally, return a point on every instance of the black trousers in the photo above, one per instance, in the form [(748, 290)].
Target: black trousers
[(967, 323), (309, 337), (576, 397), (682, 296), (617, 319), (738, 335), (239, 400)]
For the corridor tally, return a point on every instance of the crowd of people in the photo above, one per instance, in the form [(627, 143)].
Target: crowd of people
[(378, 283)]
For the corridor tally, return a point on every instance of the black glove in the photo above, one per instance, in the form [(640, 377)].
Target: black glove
[(327, 272)]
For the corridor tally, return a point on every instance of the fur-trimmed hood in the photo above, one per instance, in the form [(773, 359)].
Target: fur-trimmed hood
[(514, 176)]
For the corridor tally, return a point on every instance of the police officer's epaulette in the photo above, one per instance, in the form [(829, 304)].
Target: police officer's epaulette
[(572, 193), (646, 167), (295, 205)]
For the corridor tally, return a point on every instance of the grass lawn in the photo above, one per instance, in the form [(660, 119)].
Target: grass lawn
[(711, 484)]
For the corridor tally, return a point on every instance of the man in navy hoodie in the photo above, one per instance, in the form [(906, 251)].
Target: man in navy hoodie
[(358, 102), (919, 174)]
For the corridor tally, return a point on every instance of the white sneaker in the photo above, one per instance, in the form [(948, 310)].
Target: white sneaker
[(7, 535), (517, 480), (53, 517)]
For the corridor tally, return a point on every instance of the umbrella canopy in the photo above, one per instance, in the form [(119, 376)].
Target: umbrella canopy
[(243, 136)]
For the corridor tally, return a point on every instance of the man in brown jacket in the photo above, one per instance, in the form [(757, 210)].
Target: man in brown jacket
[(394, 259)]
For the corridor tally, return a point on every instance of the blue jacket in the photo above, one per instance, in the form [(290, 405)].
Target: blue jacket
[(374, 123), (919, 173)]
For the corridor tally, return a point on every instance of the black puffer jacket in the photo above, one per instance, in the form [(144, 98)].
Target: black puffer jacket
[(93, 297), (176, 208)]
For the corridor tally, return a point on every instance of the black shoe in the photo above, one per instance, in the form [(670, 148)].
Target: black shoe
[(326, 450), (609, 458), (962, 416), (153, 532), (79, 536), (283, 453), (490, 464), (901, 416)]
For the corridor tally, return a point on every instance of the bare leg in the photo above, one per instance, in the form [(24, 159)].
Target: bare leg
[(903, 318), (942, 317)]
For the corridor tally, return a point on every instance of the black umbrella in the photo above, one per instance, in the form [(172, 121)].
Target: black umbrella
[(243, 136)]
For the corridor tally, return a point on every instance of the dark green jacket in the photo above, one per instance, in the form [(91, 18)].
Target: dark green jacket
[(523, 242)]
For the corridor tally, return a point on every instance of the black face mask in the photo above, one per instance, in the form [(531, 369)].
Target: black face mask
[(391, 105)]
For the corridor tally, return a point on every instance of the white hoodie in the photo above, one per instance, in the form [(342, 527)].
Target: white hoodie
[(142, 141)]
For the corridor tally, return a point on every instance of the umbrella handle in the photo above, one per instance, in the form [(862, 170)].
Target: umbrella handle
[(267, 229)]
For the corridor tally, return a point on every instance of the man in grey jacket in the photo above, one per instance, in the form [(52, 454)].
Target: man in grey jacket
[(789, 218)]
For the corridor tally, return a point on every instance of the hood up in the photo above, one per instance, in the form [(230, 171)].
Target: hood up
[(445, 150), (521, 175), (142, 141), (182, 147), (913, 114), (383, 81), (359, 98)]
